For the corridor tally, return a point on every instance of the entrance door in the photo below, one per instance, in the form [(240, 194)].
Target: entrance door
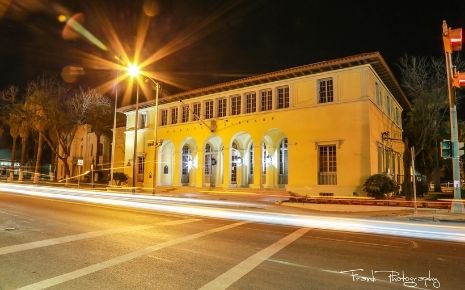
[(235, 155), (283, 163), (186, 160)]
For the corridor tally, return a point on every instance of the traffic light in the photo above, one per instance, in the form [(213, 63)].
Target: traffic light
[(459, 79), (461, 149), (446, 149), (453, 40)]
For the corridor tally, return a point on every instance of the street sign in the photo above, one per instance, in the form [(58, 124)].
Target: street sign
[(80, 162)]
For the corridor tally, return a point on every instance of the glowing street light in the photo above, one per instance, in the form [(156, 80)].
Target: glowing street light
[(133, 70)]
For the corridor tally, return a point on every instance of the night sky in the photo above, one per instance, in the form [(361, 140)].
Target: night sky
[(244, 37)]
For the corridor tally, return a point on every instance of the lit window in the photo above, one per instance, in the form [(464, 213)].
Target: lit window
[(325, 89), (185, 114), (209, 109), (283, 97), (222, 107), (266, 100), (251, 103), (327, 165), (164, 117), (235, 105), (196, 111), (174, 115)]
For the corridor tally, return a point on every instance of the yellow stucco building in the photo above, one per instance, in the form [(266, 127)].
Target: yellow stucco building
[(318, 129)]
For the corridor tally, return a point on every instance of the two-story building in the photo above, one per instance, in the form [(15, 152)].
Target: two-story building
[(318, 129)]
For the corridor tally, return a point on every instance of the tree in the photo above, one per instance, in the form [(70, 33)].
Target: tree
[(13, 124), (424, 81), (8, 98), (100, 118), (67, 113), (39, 94)]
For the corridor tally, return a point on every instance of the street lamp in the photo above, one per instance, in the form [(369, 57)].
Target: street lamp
[(155, 125), (133, 71)]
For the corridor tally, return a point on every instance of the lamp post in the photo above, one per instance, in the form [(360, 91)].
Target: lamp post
[(155, 143), (112, 165), (133, 71)]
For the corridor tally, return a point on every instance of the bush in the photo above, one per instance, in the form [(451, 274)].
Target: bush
[(379, 186), (119, 177)]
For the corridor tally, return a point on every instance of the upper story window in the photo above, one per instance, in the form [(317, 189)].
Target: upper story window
[(251, 102), (283, 97), (266, 99), (222, 107), (378, 94), (235, 105), (164, 117), (142, 120), (325, 90), (174, 115), (196, 111), (208, 109), (185, 114), (389, 106)]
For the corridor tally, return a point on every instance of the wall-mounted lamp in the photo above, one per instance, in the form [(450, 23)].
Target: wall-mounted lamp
[(385, 135)]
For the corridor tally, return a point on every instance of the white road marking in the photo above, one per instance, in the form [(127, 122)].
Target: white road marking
[(235, 273), (121, 259), (89, 235)]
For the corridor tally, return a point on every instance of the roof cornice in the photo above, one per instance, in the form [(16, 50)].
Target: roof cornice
[(371, 58)]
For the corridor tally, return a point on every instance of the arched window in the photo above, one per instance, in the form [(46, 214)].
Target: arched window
[(165, 169)]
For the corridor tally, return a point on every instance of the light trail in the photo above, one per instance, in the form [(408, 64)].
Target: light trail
[(163, 204)]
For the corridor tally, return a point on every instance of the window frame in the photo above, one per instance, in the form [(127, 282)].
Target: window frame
[(325, 91)]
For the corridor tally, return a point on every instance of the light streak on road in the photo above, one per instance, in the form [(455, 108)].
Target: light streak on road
[(171, 205)]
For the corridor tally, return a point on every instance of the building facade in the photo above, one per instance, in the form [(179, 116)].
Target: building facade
[(83, 155), (319, 129)]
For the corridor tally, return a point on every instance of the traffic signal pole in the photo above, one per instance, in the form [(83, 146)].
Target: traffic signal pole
[(457, 205)]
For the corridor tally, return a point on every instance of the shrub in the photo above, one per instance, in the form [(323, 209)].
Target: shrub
[(379, 185), (119, 177)]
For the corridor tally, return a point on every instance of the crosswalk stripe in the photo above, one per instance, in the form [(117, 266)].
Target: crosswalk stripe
[(121, 259), (235, 273), (89, 235)]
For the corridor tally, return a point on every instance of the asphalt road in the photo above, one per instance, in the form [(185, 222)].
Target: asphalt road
[(66, 245)]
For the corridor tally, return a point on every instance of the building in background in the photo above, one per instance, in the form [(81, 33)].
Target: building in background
[(318, 129)]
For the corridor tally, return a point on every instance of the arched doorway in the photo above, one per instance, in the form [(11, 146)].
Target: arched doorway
[(186, 159), (236, 161), (283, 163)]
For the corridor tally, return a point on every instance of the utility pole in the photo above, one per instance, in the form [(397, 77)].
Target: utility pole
[(452, 39)]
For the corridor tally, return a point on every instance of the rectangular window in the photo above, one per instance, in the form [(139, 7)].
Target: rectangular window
[(209, 109), (266, 100), (164, 117), (378, 94), (325, 89), (396, 115), (235, 105), (142, 120), (380, 159), (251, 102), (283, 97), (327, 164), (140, 164), (196, 111), (174, 115), (185, 114), (222, 107), (399, 118), (389, 106)]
